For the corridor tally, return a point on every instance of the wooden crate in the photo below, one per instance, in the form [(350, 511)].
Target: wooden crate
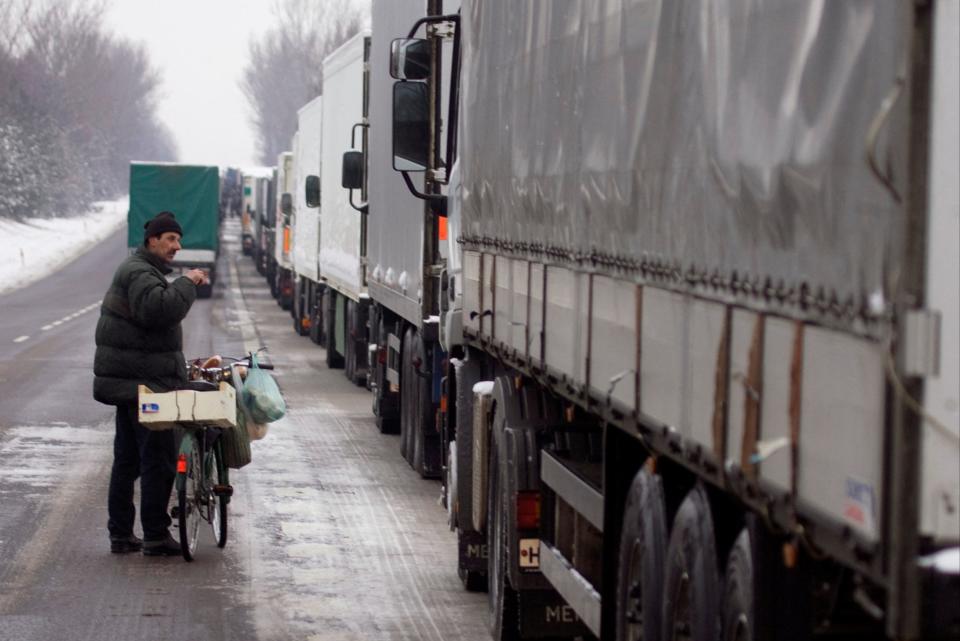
[(164, 410)]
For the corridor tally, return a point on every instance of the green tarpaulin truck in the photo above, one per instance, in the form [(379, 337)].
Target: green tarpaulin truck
[(192, 193)]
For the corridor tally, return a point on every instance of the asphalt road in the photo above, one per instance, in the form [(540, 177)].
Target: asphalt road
[(332, 536)]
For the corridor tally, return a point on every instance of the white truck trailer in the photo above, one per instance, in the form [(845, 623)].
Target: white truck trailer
[(305, 223), (343, 307), (282, 285), (707, 381), (404, 267)]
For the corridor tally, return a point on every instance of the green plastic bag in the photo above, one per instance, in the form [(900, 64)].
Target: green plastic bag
[(261, 396)]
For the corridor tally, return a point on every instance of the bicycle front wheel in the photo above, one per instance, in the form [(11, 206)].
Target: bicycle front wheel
[(218, 499), (189, 489)]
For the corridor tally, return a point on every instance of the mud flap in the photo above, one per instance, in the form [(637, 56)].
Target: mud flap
[(544, 613), (472, 551)]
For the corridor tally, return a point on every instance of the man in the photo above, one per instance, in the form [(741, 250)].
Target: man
[(139, 342)]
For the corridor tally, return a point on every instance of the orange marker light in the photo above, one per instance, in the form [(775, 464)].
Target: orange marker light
[(442, 227), (182, 464), (528, 510)]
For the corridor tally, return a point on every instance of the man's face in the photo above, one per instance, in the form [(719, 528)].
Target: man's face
[(166, 245)]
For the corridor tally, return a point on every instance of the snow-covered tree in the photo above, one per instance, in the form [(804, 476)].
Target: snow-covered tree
[(284, 72), (76, 105)]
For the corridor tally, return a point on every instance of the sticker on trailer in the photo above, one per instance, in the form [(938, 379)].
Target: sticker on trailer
[(859, 506), (529, 554), (149, 408)]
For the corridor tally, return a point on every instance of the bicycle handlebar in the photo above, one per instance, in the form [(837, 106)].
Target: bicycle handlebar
[(222, 372)]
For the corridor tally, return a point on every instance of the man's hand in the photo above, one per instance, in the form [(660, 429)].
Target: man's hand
[(198, 276)]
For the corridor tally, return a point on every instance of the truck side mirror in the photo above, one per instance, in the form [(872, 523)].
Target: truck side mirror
[(411, 126), (286, 204), (312, 191), (410, 59), (352, 174)]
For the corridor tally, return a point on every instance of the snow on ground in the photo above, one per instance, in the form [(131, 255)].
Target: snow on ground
[(38, 247)]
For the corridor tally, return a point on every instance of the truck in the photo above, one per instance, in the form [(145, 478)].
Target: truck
[(306, 218), (247, 214), (403, 270), (265, 221), (282, 282), (268, 231), (699, 309), (231, 190), (192, 193), (341, 303), (255, 183)]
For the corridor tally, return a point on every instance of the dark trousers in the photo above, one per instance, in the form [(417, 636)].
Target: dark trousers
[(152, 456)]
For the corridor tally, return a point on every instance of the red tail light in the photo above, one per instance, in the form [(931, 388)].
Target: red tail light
[(528, 510), (382, 355), (182, 464)]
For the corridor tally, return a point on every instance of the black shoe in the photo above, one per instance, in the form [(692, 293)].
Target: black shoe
[(163, 547), (124, 544)]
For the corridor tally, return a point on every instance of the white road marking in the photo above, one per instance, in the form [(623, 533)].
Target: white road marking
[(67, 318), (20, 339)]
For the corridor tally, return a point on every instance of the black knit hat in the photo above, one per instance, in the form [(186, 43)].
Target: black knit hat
[(160, 224)]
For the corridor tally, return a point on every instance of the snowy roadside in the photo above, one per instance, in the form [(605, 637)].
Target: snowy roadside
[(38, 247)]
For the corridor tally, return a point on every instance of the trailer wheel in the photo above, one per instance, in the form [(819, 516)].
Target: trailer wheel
[(386, 421), (502, 600), (737, 615), (349, 355), (407, 398), (296, 307), (355, 346), (691, 589), (300, 307), (426, 440), (640, 563), (315, 315), (334, 360), (467, 375)]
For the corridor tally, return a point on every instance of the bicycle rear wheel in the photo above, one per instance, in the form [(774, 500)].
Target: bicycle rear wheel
[(189, 489), (218, 500)]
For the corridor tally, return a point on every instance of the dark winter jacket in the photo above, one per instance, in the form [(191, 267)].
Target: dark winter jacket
[(139, 340)]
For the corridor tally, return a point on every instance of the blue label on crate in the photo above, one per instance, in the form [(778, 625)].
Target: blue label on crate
[(859, 506), (149, 408)]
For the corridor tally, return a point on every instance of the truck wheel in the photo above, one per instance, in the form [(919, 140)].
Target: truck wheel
[(334, 360), (468, 374), (387, 421), (349, 345), (502, 600), (640, 562), (302, 308), (691, 589), (313, 312), (426, 439), (418, 410), (737, 615), (295, 308), (407, 398)]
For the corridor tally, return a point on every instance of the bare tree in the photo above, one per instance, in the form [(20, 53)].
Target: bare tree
[(284, 72), (76, 105)]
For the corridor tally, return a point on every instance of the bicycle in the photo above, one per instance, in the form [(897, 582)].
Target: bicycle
[(203, 479)]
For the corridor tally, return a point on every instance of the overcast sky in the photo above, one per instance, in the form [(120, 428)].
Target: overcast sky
[(200, 47)]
